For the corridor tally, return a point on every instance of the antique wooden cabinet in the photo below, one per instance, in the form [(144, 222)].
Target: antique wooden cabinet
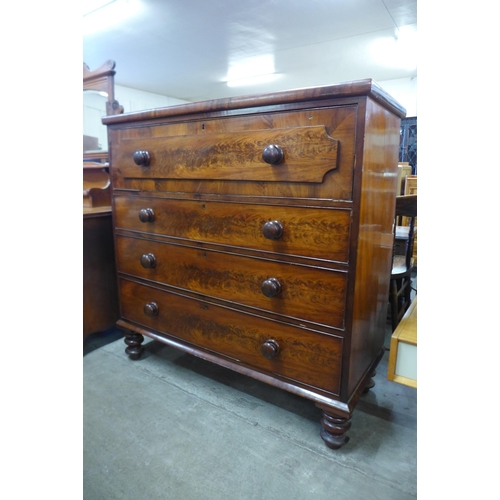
[(100, 294), (256, 233)]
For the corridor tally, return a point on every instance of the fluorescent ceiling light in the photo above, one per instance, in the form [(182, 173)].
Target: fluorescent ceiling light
[(251, 71), (253, 80)]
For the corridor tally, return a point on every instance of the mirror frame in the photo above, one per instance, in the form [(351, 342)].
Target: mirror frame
[(102, 79)]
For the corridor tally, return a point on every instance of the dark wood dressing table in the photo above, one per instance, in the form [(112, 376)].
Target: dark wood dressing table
[(100, 294)]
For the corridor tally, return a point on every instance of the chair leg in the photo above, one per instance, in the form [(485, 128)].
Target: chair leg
[(394, 304), (399, 299), (407, 292)]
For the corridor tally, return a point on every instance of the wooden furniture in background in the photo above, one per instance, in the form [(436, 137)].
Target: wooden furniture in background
[(410, 185), (100, 292), (100, 296), (403, 265), (96, 185), (402, 366), (404, 170), (102, 79), (411, 188), (256, 233)]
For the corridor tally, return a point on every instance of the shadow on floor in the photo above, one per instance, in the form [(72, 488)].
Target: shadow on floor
[(100, 339)]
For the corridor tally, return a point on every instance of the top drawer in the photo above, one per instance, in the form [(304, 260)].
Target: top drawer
[(310, 154), (295, 154)]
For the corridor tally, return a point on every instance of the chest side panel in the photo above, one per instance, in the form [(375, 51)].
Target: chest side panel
[(375, 239)]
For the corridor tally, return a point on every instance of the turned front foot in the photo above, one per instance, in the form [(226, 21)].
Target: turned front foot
[(134, 341), (334, 430), (370, 383)]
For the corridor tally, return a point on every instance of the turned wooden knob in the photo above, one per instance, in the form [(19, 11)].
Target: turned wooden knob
[(270, 349), (146, 215), (142, 158), (272, 230), (273, 154), (151, 309), (148, 261), (271, 287)]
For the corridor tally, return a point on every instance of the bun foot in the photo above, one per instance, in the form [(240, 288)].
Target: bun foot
[(334, 430), (370, 383), (134, 341)]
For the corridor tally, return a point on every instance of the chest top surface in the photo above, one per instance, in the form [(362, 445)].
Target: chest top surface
[(358, 88)]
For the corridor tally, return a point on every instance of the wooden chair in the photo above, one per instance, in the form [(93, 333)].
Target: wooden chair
[(403, 265)]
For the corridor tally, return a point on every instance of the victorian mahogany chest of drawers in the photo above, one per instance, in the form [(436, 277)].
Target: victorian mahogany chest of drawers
[(256, 232)]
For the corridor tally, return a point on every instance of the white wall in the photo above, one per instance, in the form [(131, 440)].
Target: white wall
[(138, 100), (404, 91)]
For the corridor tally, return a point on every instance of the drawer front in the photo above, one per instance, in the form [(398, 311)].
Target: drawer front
[(304, 356), (223, 155), (301, 292), (295, 154), (306, 232)]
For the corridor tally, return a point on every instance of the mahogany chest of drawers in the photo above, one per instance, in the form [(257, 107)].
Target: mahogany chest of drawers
[(256, 232)]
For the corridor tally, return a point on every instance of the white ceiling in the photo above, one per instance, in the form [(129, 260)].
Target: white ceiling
[(185, 48)]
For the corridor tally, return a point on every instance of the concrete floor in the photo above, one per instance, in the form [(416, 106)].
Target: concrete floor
[(172, 426)]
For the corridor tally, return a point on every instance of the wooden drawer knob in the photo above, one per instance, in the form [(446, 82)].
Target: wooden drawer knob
[(273, 154), (270, 349), (151, 309), (271, 287), (146, 215), (142, 158), (148, 261), (272, 230)]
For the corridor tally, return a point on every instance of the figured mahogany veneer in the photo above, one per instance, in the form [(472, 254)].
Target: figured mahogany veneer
[(211, 155), (305, 356), (303, 292), (256, 233), (302, 154), (304, 232)]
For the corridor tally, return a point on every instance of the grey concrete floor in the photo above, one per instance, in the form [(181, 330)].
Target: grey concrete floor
[(172, 426)]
